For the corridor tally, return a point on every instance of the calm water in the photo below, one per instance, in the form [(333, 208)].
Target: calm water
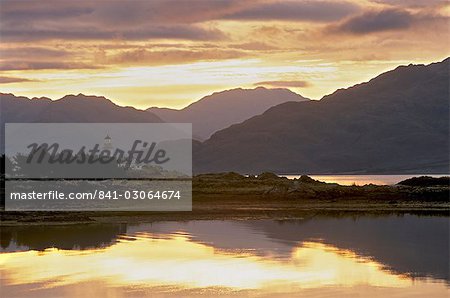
[(389, 256), (364, 179)]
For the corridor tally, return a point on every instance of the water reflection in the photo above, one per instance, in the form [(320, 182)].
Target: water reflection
[(384, 255), (364, 179), (64, 237)]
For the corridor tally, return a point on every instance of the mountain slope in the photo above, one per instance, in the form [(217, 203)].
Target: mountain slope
[(396, 123), (69, 109), (222, 109)]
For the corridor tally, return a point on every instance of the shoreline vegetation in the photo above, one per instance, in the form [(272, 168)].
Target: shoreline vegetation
[(268, 196)]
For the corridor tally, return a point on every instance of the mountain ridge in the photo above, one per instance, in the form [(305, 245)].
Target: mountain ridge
[(222, 109), (69, 109), (396, 122), (45, 109)]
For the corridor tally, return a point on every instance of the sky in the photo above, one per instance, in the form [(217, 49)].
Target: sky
[(172, 53)]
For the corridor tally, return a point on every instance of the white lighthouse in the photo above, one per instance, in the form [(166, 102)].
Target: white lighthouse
[(107, 143)]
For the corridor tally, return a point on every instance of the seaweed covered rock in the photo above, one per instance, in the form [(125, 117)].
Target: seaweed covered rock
[(426, 181), (268, 176), (221, 176), (307, 179)]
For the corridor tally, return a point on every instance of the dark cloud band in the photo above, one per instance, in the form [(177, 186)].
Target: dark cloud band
[(376, 21)]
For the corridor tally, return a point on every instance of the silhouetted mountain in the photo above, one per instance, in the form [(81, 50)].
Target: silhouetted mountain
[(397, 122), (69, 109), (222, 109)]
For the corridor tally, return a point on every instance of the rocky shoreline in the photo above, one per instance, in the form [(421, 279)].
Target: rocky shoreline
[(234, 196)]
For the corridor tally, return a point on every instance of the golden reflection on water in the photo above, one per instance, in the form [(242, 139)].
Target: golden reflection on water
[(362, 179), (146, 262)]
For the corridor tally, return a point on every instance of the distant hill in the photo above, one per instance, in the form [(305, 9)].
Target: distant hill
[(69, 109), (397, 122), (222, 109)]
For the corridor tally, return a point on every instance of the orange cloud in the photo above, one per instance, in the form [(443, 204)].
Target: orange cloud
[(167, 57), (9, 80), (285, 84)]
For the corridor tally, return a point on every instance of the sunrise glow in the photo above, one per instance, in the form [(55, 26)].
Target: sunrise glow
[(157, 53)]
